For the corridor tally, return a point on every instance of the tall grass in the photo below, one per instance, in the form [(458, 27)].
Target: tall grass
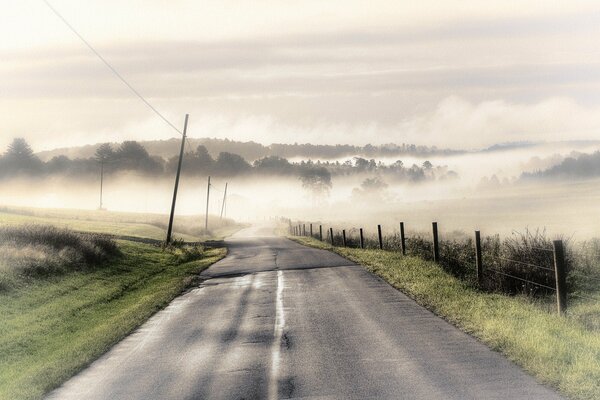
[(527, 255), (35, 251)]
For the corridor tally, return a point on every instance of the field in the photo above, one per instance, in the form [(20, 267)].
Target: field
[(562, 351), (67, 296), (151, 226)]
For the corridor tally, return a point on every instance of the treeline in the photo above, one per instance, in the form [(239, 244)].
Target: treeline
[(131, 156), (253, 151), (582, 166)]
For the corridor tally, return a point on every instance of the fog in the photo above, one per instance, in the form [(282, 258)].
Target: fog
[(470, 201)]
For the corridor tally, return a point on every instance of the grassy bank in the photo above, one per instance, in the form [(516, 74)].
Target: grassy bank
[(563, 352), (55, 325)]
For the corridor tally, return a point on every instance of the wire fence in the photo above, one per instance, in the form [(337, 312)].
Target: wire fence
[(529, 264)]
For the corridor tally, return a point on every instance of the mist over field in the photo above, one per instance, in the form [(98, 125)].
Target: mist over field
[(497, 189)]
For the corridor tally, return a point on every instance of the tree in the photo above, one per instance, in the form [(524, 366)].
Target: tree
[(194, 163), (104, 153), (427, 165), (229, 164), (274, 165), (134, 156), (19, 158), (317, 180)]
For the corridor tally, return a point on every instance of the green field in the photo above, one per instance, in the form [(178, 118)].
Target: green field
[(54, 327), (563, 352), (59, 310)]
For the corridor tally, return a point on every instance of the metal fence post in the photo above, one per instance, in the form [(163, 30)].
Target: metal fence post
[(362, 239), (436, 247), (344, 237), (311, 232), (380, 237), (560, 271), (331, 234)]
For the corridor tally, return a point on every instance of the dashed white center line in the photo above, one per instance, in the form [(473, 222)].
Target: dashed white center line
[(278, 334)]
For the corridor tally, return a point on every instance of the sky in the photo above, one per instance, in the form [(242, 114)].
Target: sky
[(458, 74)]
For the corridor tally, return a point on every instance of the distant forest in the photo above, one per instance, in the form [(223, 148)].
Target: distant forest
[(252, 151), (581, 166), (131, 156)]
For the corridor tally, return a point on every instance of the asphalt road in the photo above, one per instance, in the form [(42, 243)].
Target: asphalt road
[(275, 319)]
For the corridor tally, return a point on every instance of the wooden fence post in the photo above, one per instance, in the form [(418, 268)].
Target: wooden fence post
[(331, 234), (560, 271), (321, 233), (380, 237), (436, 246), (362, 239), (478, 258), (344, 237), (311, 232), (402, 239)]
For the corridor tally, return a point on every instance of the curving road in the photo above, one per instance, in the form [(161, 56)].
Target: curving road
[(275, 319)]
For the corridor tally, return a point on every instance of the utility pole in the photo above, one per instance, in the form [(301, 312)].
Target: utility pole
[(101, 181), (170, 229), (207, 198), (224, 198)]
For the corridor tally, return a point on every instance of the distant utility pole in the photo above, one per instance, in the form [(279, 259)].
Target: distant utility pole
[(170, 229), (207, 198), (101, 181), (224, 199)]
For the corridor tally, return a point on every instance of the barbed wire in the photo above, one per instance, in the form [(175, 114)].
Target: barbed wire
[(519, 278), (523, 263)]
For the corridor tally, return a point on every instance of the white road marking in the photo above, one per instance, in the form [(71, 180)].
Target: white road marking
[(278, 334)]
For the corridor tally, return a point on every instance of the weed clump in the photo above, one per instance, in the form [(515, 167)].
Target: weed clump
[(35, 251)]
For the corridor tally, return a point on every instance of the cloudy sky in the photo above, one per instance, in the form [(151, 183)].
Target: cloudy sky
[(460, 74)]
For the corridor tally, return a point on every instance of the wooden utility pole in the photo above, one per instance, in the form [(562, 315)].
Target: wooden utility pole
[(207, 198), (224, 199), (170, 228)]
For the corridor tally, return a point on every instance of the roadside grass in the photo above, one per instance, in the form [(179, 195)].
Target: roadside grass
[(53, 327), (563, 352)]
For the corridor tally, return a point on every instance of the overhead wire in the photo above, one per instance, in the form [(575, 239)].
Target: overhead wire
[(114, 71)]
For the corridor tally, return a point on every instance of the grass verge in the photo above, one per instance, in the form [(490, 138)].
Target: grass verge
[(54, 327), (559, 351)]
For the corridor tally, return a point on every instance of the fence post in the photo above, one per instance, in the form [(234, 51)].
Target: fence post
[(311, 232), (436, 245), (380, 237), (344, 236), (303, 229), (402, 239), (478, 258), (321, 233), (331, 235), (560, 271), (362, 239)]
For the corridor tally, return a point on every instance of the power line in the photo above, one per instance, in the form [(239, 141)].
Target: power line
[(63, 19)]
